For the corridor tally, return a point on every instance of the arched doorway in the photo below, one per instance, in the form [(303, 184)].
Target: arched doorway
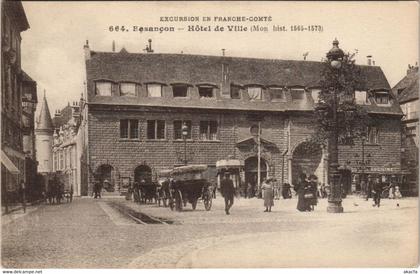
[(105, 174), (251, 174), (306, 159), (143, 172)]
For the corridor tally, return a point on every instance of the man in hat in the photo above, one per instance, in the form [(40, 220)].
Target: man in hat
[(228, 191)]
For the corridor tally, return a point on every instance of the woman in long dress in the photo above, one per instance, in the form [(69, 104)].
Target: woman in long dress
[(268, 194)]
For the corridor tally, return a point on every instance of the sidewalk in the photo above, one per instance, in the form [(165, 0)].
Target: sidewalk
[(362, 236), (16, 212)]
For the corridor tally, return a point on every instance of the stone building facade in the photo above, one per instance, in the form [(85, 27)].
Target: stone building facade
[(65, 151), (29, 103), (407, 92), (13, 21), (137, 103)]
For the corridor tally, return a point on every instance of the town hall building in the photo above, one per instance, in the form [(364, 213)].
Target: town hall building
[(138, 103)]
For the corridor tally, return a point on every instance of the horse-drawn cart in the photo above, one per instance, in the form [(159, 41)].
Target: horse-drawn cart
[(189, 184)]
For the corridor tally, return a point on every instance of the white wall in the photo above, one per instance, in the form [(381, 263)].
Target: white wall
[(43, 144)]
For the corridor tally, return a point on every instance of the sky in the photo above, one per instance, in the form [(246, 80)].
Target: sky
[(52, 49)]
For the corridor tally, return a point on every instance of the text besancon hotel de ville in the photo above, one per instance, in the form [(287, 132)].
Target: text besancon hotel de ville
[(137, 104)]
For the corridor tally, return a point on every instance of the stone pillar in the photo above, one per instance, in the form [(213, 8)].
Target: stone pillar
[(289, 168)]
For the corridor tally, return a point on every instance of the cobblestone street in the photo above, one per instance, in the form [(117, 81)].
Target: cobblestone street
[(92, 233)]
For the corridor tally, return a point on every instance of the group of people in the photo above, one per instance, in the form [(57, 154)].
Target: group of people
[(375, 189), (227, 190), (55, 191)]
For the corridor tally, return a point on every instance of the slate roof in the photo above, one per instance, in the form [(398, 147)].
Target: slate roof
[(409, 86), (194, 69), (44, 122)]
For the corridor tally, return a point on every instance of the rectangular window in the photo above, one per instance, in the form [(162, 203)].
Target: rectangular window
[(178, 124), (124, 129), (129, 129), (128, 89), (411, 131), (154, 90), (277, 94), (254, 93), (61, 160), (208, 130), (180, 91), (382, 98), (373, 135), (297, 94), (235, 92), (134, 129), (205, 91), (103, 88), (155, 129), (360, 97)]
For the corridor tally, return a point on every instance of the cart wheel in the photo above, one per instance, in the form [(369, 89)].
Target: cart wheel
[(207, 201), (178, 200), (194, 204)]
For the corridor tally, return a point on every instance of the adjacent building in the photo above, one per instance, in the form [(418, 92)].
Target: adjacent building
[(138, 103), (29, 104), (13, 22), (407, 92), (66, 151)]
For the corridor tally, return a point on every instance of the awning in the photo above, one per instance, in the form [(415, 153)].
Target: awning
[(9, 164), (14, 153)]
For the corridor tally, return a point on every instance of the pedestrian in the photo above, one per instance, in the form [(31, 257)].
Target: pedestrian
[(22, 191), (136, 192), (368, 187), (312, 191), (268, 194), (302, 188), (397, 195), (227, 190), (96, 189), (71, 193), (286, 192), (377, 191), (249, 190)]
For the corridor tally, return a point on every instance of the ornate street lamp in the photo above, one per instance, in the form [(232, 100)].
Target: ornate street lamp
[(184, 136), (335, 57)]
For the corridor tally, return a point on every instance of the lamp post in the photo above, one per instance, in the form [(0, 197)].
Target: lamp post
[(335, 58), (184, 136)]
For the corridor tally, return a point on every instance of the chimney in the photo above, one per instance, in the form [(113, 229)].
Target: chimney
[(57, 113), (113, 46), (369, 60), (223, 52), (148, 48), (87, 50), (413, 69)]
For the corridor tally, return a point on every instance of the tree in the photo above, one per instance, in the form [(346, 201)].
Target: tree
[(352, 119)]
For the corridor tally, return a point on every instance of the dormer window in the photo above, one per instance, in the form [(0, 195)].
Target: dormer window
[(154, 90), (297, 93), (315, 95), (127, 89), (254, 93), (361, 97), (277, 94), (180, 90), (103, 88), (235, 92), (205, 91), (382, 98)]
